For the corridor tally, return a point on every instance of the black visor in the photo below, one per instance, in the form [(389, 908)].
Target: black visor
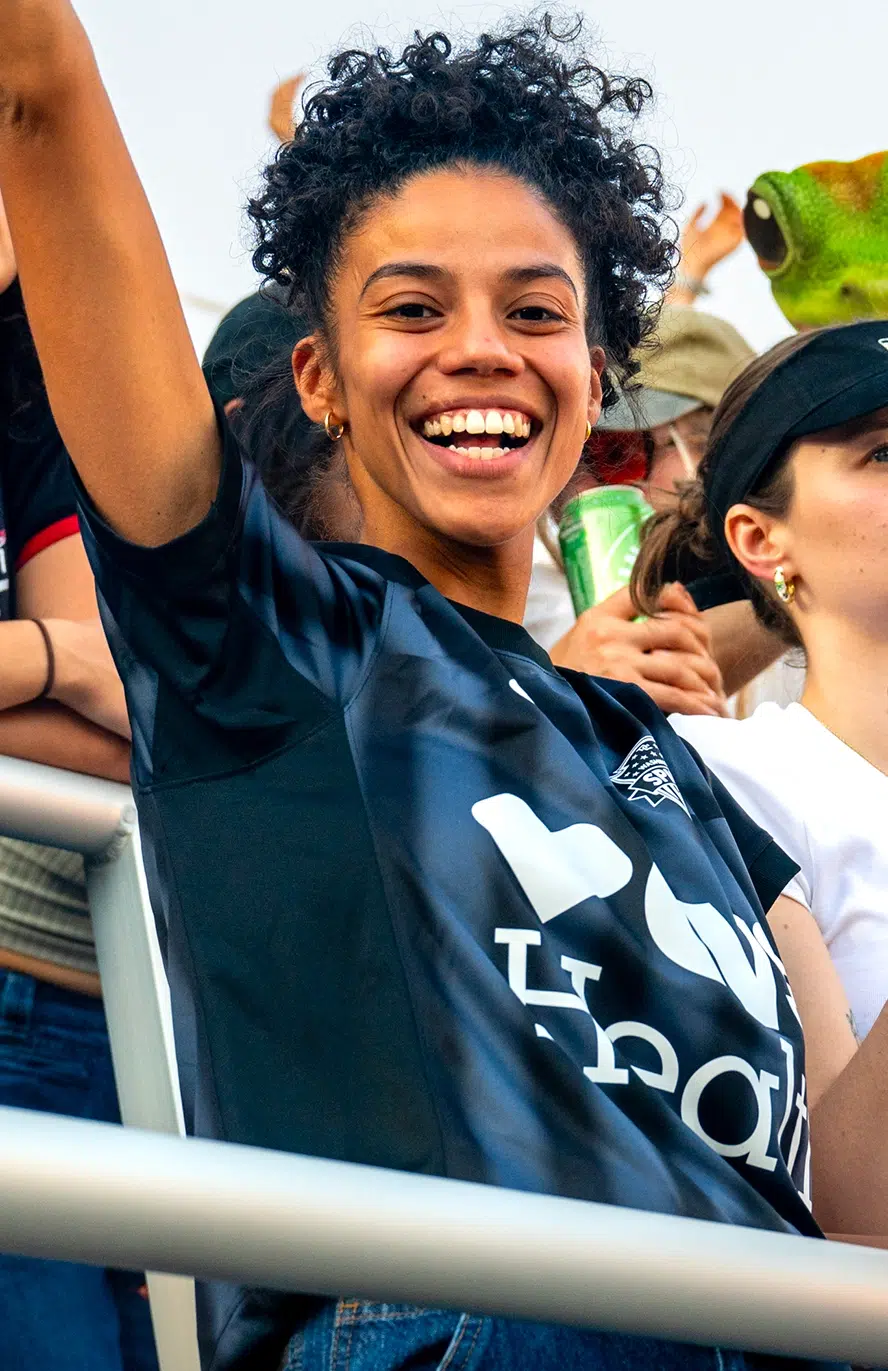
[(839, 375)]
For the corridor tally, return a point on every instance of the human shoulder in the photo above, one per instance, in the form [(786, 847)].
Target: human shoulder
[(38, 500), (769, 738), (765, 761)]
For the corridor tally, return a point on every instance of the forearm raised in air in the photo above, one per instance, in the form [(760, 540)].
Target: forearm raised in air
[(124, 382)]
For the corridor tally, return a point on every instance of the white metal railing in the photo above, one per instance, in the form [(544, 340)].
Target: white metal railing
[(93, 1192), (98, 818), (126, 1197), (63, 809)]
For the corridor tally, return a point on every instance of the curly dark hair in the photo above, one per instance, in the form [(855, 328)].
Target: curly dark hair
[(527, 101)]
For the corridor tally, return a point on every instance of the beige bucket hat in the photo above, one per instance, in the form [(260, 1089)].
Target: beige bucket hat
[(695, 359)]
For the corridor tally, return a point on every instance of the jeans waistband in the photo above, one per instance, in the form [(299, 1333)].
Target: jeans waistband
[(24, 1000)]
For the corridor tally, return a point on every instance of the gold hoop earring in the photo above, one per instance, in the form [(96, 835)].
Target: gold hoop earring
[(333, 431), (588, 431), (785, 589)]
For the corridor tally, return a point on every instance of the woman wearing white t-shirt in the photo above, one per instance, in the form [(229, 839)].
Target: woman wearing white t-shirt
[(794, 485)]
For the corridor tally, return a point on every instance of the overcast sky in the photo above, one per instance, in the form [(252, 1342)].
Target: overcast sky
[(743, 87)]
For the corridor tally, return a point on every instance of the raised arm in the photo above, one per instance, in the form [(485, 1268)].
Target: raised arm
[(123, 379)]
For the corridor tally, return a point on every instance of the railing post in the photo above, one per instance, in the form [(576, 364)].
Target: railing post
[(98, 818), (137, 1008)]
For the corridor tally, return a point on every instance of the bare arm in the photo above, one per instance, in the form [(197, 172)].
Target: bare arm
[(7, 257), (849, 1151), (84, 727), (122, 376), (57, 586), (830, 1042), (55, 736), (848, 1085)]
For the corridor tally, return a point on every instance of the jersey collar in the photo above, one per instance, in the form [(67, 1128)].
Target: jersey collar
[(501, 635)]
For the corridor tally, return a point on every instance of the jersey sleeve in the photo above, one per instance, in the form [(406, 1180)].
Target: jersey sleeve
[(245, 623), (38, 494), (771, 870)]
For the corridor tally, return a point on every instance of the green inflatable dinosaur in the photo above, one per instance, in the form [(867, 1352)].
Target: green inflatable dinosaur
[(821, 237)]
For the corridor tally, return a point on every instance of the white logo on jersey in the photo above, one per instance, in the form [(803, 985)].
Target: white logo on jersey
[(558, 870), (701, 940), (555, 870), (646, 776)]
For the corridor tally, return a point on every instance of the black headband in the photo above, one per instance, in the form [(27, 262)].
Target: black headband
[(838, 376)]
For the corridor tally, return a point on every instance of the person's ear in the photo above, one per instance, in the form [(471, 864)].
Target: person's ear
[(760, 542), (597, 358), (316, 382)]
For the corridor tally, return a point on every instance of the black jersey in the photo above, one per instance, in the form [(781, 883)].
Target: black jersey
[(37, 503), (430, 904)]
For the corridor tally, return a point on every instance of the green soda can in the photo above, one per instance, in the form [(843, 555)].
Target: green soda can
[(600, 534)]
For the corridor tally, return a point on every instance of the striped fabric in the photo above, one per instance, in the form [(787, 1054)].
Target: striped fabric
[(43, 905)]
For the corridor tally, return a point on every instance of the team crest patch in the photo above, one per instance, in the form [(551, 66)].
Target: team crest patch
[(646, 776)]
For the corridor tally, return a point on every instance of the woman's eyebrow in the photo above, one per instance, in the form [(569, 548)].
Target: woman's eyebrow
[(538, 271), (425, 271)]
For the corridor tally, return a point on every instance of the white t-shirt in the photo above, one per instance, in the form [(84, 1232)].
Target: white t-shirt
[(549, 612), (828, 809)]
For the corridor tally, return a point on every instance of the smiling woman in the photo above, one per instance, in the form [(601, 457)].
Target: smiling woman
[(426, 902), (461, 267), (487, 336)]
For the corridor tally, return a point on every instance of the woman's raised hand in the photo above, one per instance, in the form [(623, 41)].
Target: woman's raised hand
[(281, 110), (704, 246)]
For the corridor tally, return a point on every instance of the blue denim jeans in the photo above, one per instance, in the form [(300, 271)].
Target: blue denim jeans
[(354, 1335), (58, 1316)]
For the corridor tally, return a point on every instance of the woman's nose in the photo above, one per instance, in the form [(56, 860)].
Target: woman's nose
[(478, 342)]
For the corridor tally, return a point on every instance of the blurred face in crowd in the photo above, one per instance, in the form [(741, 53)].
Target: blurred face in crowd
[(462, 374), (677, 451), (656, 460), (833, 540)]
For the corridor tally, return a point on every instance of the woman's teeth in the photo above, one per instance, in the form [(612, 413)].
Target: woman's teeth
[(476, 421), (483, 453)]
